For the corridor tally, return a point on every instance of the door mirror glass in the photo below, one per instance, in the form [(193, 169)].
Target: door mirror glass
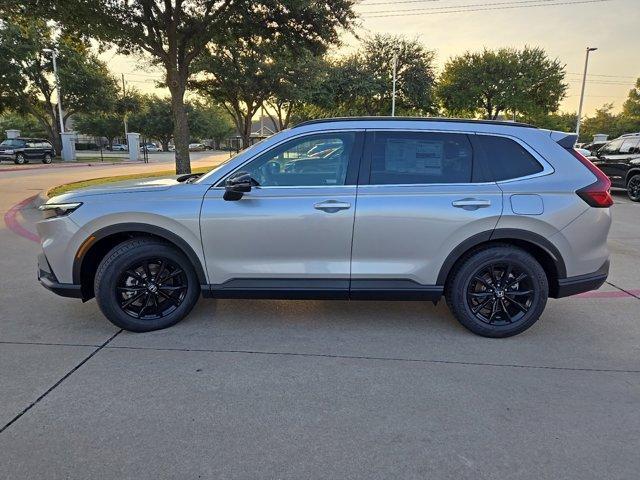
[(237, 185)]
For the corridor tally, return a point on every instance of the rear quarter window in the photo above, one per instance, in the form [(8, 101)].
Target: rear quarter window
[(505, 158)]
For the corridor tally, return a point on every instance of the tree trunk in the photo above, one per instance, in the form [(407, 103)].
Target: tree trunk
[(177, 87)]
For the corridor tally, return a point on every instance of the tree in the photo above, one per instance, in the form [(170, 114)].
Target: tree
[(605, 121), (175, 33), (210, 122), (86, 84), (564, 122), (361, 83), (154, 120), (631, 107), (28, 125), (492, 82), (108, 125)]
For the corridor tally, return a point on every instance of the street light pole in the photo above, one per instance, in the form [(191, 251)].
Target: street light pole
[(584, 82), (55, 74), (393, 95)]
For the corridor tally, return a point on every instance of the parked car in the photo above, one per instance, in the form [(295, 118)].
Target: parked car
[(495, 216), (197, 147), (619, 159), (22, 150), (119, 147), (150, 147)]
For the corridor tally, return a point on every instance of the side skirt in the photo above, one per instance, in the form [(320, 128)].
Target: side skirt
[(323, 289)]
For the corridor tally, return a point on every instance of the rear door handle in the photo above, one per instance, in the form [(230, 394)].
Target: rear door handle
[(332, 206), (471, 203)]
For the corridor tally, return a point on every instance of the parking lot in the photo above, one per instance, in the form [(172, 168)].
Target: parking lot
[(246, 389)]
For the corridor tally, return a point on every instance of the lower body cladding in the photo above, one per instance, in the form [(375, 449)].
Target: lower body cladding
[(370, 289)]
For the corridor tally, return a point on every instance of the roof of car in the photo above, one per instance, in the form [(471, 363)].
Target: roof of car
[(414, 119), (30, 139)]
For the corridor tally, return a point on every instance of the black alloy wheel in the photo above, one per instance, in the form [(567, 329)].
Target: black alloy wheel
[(633, 188), (145, 284), (151, 289), (497, 291), (500, 293)]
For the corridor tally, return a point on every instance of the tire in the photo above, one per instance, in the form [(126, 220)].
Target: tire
[(20, 159), (47, 159), (633, 188), (122, 275), (475, 288)]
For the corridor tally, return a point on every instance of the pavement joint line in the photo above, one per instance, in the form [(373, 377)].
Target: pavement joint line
[(52, 388), (623, 290), (48, 344), (366, 357)]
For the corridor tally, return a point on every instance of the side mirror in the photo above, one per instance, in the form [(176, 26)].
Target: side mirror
[(237, 185)]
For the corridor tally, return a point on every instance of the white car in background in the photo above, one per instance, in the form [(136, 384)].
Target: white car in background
[(150, 147), (197, 147)]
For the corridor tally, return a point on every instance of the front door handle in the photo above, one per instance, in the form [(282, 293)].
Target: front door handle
[(332, 206), (471, 203)]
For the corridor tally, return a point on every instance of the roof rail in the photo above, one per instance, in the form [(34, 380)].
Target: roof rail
[(414, 119)]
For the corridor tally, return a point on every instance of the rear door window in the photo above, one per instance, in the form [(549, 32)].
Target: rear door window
[(629, 145), (505, 158), (414, 158)]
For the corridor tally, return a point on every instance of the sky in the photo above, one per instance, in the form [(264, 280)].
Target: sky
[(564, 28)]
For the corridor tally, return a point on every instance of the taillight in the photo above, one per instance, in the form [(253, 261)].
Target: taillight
[(597, 194)]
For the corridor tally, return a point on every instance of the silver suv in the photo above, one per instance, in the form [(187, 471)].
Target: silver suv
[(497, 217)]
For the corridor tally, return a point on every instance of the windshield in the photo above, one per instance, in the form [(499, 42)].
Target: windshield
[(11, 142), (246, 152)]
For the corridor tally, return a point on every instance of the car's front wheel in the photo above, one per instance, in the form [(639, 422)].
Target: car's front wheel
[(633, 188), (144, 284), (20, 159), (498, 291)]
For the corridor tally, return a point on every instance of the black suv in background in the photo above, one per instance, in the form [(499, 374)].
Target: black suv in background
[(21, 150), (620, 160)]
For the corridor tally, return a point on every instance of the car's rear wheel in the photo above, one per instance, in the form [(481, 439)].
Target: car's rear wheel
[(498, 291), (144, 284), (633, 188), (20, 159), (47, 158)]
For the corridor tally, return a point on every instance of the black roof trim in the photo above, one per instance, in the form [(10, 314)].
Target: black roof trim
[(29, 138), (568, 141), (415, 119)]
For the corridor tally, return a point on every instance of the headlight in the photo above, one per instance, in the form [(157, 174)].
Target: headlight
[(50, 210), (9, 152)]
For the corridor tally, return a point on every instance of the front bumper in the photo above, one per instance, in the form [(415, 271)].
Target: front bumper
[(582, 283), (49, 281)]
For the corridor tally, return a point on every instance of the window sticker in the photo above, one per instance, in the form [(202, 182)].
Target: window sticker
[(413, 156)]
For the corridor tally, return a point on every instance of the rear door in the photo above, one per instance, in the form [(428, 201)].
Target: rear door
[(293, 230), (420, 194)]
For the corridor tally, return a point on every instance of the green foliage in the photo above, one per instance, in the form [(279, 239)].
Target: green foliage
[(491, 82), (361, 83), (27, 78), (154, 120), (108, 125), (176, 33), (605, 121), (631, 107), (28, 125), (563, 122)]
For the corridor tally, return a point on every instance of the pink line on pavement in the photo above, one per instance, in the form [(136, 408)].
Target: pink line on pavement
[(11, 221), (17, 169)]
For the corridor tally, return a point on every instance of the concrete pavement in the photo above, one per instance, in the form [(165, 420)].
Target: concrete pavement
[(319, 389)]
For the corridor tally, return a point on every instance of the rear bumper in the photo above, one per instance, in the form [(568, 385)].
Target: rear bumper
[(582, 283), (49, 281)]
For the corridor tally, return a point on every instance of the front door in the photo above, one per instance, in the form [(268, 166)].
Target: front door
[(293, 230), (417, 200)]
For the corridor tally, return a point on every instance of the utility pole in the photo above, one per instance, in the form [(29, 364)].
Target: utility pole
[(584, 81), (393, 95), (124, 94), (55, 74)]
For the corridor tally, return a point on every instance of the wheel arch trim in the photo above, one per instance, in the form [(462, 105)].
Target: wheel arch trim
[(502, 234), (133, 228)]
